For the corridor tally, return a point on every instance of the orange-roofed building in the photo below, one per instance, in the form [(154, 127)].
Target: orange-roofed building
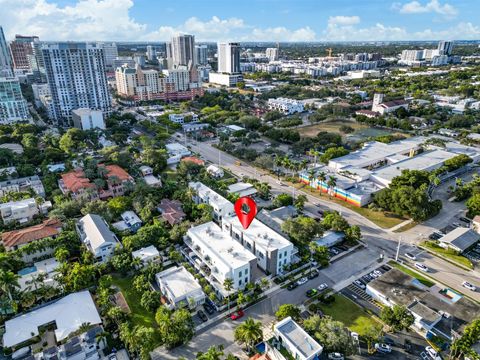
[(77, 185), (194, 160), (12, 240)]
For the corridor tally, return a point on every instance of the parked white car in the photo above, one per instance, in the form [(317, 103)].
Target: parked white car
[(302, 281), (410, 256), (383, 348), (432, 353), (335, 356)]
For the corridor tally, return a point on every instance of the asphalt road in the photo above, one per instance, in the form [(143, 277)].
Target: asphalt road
[(380, 241)]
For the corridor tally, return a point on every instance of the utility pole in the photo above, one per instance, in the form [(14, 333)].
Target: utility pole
[(398, 248)]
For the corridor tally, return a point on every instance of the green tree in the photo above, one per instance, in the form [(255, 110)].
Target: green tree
[(332, 153), (372, 334), (213, 353), (72, 140), (288, 310), (473, 205), (175, 327), (332, 334), (320, 254), (283, 200), (302, 229), (228, 286), (249, 333), (150, 300), (353, 234), (462, 346), (334, 221), (300, 202), (398, 317), (8, 282)]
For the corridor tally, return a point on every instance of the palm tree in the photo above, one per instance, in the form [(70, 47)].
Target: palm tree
[(249, 333), (321, 177), (314, 153), (8, 282), (213, 353), (228, 285), (311, 176), (331, 183)]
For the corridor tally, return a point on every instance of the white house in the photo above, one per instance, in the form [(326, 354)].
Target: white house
[(180, 287), (176, 152), (22, 211), (296, 340), (68, 314), (180, 118), (130, 221), (88, 119), (215, 171), (387, 107), (97, 237), (147, 254)]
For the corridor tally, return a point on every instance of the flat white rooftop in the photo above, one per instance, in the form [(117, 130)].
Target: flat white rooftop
[(425, 161), (204, 192), (228, 252), (68, 313), (261, 234), (376, 151), (179, 281), (299, 338), (146, 253)]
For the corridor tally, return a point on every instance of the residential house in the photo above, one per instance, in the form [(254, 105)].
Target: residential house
[(22, 211), (130, 221), (296, 341), (242, 189), (68, 314), (215, 171), (149, 178), (97, 237), (147, 255), (171, 211), (43, 271), (23, 185), (12, 240), (180, 288)]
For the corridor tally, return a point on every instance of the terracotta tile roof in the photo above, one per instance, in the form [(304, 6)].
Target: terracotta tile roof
[(366, 112), (171, 211), (46, 229), (193, 159), (76, 180), (115, 170), (260, 357), (392, 103)]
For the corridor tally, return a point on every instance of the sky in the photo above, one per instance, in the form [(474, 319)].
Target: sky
[(243, 20)]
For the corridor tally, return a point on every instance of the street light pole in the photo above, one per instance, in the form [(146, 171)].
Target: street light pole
[(398, 248)]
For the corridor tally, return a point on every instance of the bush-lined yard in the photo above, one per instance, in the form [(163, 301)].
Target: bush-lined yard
[(452, 255)]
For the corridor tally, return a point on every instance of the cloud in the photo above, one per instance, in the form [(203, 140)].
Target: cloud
[(433, 6), (282, 34), (343, 20)]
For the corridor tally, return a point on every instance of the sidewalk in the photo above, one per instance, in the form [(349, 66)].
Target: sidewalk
[(402, 224)]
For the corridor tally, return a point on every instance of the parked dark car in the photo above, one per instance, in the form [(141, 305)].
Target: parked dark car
[(313, 274), (407, 345), (388, 341), (202, 315), (208, 308), (386, 267)]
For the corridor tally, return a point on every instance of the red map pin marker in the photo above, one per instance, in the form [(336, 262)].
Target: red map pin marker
[(246, 210)]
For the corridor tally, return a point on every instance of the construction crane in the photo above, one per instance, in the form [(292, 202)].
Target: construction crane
[(330, 52)]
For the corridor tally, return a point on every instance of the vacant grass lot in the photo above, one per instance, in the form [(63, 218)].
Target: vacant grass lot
[(353, 316), (412, 273), (330, 126), (383, 219), (449, 254), (139, 315)]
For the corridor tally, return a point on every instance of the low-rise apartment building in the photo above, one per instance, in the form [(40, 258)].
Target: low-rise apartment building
[(286, 106), (204, 195), (22, 211), (180, 288), (97, 237), (220, 256), (189, 117)]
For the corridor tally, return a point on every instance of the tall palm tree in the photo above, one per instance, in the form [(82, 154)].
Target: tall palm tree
[(228, 285), (314, 153), (213, 353), (249, 333), (331, 183), (311, 177), (321, 177), (8, 282)]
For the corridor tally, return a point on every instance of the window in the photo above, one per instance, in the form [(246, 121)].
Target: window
[(280, 256), (246, 280), (285, 254), (240, 273), (249, 245), (239, 282)]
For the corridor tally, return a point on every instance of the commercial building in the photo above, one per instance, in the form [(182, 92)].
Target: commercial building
[(460, 239), (110, 53), (21, 49), (76, 77), (387, 107), (5, 58), (296, 341), (22, 185), (201, 52), (97, 237), (189, 117), (228, 58), (285, 106), (272, 54), (13, 107), (242, 189), (22, 211), (88, 119), (364, 172), (437, 311), (221, 207), (151, 53), (220, 256), (445, 47), (181, 50), (68, 314), (180, 288), (228, 80)]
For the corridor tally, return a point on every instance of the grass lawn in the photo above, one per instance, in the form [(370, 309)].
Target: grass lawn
[(383, 219), (139, 315), (412, 273), (353, 316), (330, 126), (448, 254), (409, 226)]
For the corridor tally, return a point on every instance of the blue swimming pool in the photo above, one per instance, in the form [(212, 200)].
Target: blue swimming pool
[(260, 348), (27, 270)]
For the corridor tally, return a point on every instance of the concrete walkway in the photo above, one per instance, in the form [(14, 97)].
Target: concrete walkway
[(402, 224)]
